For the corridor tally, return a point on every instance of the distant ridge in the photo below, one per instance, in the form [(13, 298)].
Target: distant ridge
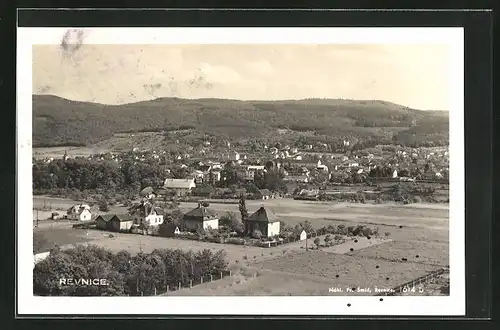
[(60, 121)]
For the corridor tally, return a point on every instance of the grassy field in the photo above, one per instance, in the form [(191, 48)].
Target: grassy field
[(310, 273), (432, 253), (46, 205), (323, 213)]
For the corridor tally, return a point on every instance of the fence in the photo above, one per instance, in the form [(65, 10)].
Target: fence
[(415, 282), (188, 283)]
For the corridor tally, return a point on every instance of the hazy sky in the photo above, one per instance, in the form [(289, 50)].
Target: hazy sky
[(413, 75)]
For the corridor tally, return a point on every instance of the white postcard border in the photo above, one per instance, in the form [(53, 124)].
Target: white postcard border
[(454, 304)]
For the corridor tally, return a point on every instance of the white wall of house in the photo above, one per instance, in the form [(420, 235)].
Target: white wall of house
[(214, 224), (154, 219), (85, 215), (273, 228)]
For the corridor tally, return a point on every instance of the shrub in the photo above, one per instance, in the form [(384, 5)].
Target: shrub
[(358, 231), (387, 234), (245, 257), (342, 230), (367, 231)]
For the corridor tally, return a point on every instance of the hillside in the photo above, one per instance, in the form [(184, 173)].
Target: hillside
[(57, 121)]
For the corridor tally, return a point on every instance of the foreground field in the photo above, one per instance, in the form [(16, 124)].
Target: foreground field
[(431, 253), (405, 232)]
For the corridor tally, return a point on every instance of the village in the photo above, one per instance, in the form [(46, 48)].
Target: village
[(283, 200)]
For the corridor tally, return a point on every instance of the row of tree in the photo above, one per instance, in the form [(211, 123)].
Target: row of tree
[(123, 274)]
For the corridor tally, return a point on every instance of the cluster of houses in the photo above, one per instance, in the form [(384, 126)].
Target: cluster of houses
[(201, 217)]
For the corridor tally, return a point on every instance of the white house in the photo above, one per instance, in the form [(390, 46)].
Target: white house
[(263, 221), (79, 212), (179, 186), (322, 167), (251, 169), (303, 235), (146, 213), (395, 174)]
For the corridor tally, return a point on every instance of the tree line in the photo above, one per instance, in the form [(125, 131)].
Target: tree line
[(141, 274)]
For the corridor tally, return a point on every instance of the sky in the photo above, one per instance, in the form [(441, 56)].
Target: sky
[(414, 75)]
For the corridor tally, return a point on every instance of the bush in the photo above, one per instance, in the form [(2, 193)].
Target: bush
[(387, 234), (342, 230), (367, 231), (103, 206)]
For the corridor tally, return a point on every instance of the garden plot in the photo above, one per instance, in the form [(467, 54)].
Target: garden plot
[(433, 253)]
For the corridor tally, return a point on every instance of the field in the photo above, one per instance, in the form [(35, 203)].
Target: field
[(405, 232), (432, 253), (46, 205)]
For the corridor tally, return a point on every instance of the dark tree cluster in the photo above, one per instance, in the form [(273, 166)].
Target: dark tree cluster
[(84, 174), (142, 274)]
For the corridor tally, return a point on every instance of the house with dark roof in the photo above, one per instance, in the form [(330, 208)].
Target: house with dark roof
[(147, 192), (102, 221), (264, 194), (146, 213), (120, 222), (262, 222), (179, 186), (201, 217)]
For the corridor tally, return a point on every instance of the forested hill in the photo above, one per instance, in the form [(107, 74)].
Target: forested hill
[(57, 121)]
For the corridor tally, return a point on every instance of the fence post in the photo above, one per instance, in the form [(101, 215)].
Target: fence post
[(190, 283), (155, 291), (229, 272), (201, 279), (211, 278), (179, 285), (142, 293), (221, 275)]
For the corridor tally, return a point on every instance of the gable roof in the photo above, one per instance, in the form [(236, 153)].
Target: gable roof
[(265, 192), (105, 217), (123, 217), (145, 208), (146, 191), (179, 183), (78, 208), (262, 215)]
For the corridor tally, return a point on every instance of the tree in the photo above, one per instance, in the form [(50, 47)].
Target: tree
[(317, 241), (328, 239), (103, 206), (231, 221), (243, 207)]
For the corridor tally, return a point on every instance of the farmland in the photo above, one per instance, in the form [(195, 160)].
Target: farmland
[(405, 232)]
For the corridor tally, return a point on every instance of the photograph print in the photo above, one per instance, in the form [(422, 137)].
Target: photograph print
[(292, 167)]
